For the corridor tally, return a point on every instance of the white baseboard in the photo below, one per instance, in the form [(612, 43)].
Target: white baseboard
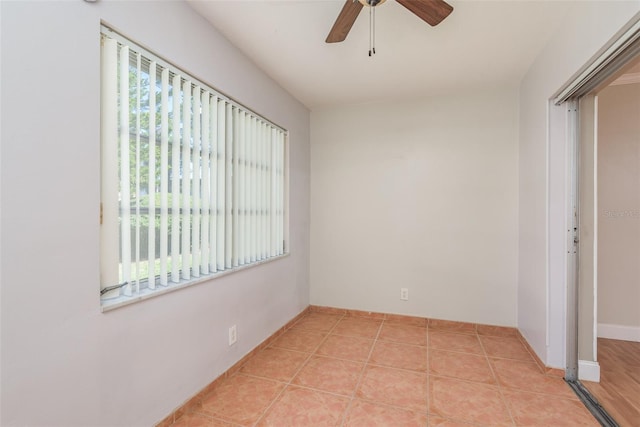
[(589, 371), (619, 332)]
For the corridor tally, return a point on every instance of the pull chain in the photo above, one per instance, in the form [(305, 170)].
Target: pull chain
[(372, 30)]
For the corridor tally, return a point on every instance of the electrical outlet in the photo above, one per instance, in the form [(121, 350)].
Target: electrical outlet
[(233, 335), (404, 294)]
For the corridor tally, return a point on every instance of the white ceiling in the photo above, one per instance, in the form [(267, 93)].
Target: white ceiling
[(481, 44)]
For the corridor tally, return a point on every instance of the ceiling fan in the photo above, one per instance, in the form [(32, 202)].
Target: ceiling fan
[(431, 11)]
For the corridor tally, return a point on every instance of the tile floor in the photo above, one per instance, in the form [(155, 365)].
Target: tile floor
[(339, 370)]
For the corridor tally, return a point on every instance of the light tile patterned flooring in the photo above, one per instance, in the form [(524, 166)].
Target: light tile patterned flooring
[(340, 370)]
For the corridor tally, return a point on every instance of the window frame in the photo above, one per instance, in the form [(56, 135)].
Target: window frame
[(107, 189)]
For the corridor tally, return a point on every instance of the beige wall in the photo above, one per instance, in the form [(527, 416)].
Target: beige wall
[(64, 362), (619, 205), (421, 195)]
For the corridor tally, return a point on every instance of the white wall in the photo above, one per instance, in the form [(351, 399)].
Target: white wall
[(542, 172), (64, 363), (619, 206), (421, 195)]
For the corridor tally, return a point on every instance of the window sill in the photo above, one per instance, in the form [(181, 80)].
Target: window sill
[(122, 301)]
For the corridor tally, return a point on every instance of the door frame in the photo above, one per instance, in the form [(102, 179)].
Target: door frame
[(597, 73)]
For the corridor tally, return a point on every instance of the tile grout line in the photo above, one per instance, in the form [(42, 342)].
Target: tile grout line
[(495, 377), (364, 368), (211, 417), (475, 334), (302, 365)]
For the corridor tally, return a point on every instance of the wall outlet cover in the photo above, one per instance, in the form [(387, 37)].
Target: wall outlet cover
[(233, 335)]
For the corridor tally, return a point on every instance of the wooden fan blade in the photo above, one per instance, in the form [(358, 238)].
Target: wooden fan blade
[(344, 22), (432, 12)]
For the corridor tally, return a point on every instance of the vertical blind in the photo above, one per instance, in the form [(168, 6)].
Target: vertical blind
[(192, 183)]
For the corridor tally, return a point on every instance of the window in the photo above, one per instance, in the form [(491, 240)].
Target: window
[(193, 184)]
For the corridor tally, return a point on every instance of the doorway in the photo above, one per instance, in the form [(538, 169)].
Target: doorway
[(617, 246), (600, 114)]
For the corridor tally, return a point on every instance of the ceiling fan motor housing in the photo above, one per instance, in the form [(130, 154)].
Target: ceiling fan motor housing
[(372, 3)]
